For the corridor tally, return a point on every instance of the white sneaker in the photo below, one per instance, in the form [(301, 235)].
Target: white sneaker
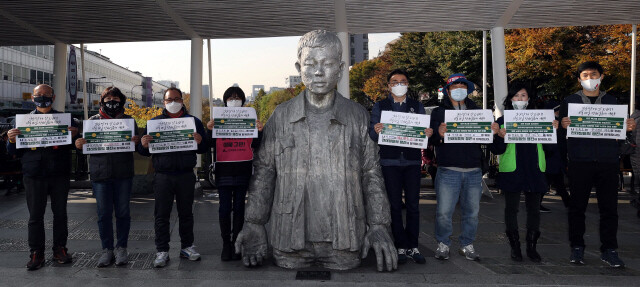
[(442, 252), (161, 259), (469, 252), (190, 253)]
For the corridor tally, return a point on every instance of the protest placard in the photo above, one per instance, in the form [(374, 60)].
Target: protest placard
[(234, 122), (404, 129), (107, 136), (43, 130), (170, 135), (529, 126), (597, 121), (468, 126)]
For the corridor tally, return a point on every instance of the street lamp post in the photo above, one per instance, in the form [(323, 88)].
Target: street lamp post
[(132, 91)]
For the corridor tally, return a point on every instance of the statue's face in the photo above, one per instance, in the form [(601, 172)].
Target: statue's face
[(320, 69)]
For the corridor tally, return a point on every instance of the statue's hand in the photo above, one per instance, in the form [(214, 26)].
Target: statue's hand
[(378, 237), (252, 243)]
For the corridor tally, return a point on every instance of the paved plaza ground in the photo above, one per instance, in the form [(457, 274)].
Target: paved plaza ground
[(495, 267)]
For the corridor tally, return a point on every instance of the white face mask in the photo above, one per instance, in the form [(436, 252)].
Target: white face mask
[(399, 90), (458, 94), (173, 107), (520, 105), (591, 84), (234, 103)]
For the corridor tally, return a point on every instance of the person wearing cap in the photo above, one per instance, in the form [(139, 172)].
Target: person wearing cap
[(174, 178), (459, 176), (521, 171), (556, 158), (593, 162), (112, 179), (401, 169), (46, 173)]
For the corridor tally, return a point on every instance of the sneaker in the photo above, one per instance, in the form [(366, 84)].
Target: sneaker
[(106, 258), (36, 260), (442, 252), (414, 253), (469, 252), (161, 260), (122, 256), (577, 255), (544, 209), (610, 256), (190, 253), (61, 255), (402, 256)]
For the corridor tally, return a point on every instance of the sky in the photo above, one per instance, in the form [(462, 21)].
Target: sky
[(247, 62)]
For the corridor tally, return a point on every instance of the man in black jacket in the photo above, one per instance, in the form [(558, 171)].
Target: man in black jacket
[(46, 171), (174, 177), (593, 161), (459, 176)]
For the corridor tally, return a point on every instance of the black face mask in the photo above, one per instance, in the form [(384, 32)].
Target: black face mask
[(112, 108), (43, 102)]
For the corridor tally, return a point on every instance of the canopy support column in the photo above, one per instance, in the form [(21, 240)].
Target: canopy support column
[(343, 35), (499, 62), (60, 75)]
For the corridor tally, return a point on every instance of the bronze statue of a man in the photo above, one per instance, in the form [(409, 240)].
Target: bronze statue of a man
[(317, 177)]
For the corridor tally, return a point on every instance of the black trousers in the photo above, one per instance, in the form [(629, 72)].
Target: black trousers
[(397, 179), (37, 190), (512, 203), (604, 176), (167, 187)]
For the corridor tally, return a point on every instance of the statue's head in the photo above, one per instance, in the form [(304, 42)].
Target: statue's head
[(320, 61)]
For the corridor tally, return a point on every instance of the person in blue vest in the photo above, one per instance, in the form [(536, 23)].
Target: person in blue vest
[(459, 176), (521, 170), (401, 169), (233, 169), (46, 174), (593, 162)]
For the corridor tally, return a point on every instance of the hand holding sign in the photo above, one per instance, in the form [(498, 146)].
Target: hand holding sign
[(146, 139)]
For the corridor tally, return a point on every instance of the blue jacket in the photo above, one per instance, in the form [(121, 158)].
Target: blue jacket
[(180, 161)]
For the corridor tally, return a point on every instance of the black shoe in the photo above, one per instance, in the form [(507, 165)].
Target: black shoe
[(402, 256), (514, 242), (532, 241), (544, 209), (36, 260), (610, 256), (414, 253), (61, 255), (577, 255), (227, 251)]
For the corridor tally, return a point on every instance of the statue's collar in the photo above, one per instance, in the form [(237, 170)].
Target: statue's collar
[(299, 112)]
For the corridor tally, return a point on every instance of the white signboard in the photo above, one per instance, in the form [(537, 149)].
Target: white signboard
[(529, 126), (468, 126), (43, 130), (234, 122), (170, 135), (597, 121), (404, 129), (107, 136)]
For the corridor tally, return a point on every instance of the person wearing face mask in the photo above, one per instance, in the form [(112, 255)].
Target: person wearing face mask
[(592, 162), (46, 173), (401, 169), (521, 170), (174, 178), (459, 176), (112, 179), (233, 169)]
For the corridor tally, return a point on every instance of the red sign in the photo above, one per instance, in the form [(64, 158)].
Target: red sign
[(228, 150)]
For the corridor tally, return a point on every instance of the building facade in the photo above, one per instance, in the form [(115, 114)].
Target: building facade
[(359, 48)]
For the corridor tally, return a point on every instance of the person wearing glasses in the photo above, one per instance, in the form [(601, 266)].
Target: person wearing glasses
[(174, 178), (46, 173), (401, 169)]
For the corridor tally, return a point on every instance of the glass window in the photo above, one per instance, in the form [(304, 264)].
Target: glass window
[(32, 77), (16, 73), (47, 78), (25, 75), (24, 49), (32, 50), (40, 77), (41, 51)]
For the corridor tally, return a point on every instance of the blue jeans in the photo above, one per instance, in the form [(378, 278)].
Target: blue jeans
[(451, 187), (113, 195)]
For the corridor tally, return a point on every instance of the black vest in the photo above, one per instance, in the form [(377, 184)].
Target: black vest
[(394, 152)]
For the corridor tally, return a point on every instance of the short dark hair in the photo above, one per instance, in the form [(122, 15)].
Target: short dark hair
[(514, 88), (233, 91), (589, 65), (172, 89), (114, 92), (396, 72)]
